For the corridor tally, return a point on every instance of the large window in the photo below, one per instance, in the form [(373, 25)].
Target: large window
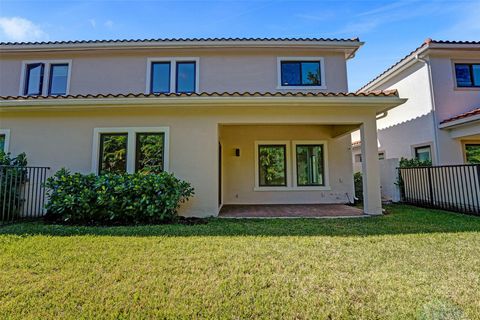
[(472, 153), (172, 75), (272, 165), (301, 73), (467, 75), (45, 78), (423, 153), (130, 150), (310, 166)]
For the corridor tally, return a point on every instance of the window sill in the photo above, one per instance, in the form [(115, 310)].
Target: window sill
[(289, 189), (301, 87), (466, 88)]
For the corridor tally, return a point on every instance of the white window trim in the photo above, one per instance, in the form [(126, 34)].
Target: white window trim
[(325, 164), (6, 133), (173, 70), (131, 145), (46, 74), (322, 72), (288, 164)]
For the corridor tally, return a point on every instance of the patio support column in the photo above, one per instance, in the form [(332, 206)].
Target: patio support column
[(372, 202)]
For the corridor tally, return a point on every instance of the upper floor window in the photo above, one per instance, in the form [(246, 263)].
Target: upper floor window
[(178, 75), (45, 78), (301, 72), (467, 75)]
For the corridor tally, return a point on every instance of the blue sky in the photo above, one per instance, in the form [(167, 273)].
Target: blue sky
[(390, 29)]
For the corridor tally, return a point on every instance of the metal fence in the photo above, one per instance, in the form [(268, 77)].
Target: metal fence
[(453, 188), (22, 192)]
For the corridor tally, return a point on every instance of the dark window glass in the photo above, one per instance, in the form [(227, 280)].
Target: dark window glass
[(34, 79), (2, 142), (310, 165), (149, 152), (58, 79), (185, 77), (291, 74), (472, 153), (467, 75), (272, 165), (423, 153), (300, 73), (381, 156), (160, 77), (113, 153)]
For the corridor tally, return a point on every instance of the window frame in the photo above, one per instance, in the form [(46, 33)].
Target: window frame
[(131, 145), (6, 133), (472, 78), (46, 75), (137, 142), (415, 153), (321, 60), (288, 164), (173, 72), (465, 143), (326, 180), (49, 89), (101, 144)]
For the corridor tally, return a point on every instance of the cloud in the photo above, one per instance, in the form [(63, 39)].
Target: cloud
[(108, 23), (20, 29), (93, 23)]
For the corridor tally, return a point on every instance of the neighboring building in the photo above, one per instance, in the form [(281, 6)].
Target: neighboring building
[(246, 121), (441, 119)]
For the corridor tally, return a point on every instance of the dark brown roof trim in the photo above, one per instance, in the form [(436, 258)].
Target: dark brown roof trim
[(114, 41), (386, 93)]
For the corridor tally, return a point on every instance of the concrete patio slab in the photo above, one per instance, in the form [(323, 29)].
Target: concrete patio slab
[(290, 211)]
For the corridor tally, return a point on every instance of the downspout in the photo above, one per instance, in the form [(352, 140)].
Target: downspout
[(382, 115), (432, 101)]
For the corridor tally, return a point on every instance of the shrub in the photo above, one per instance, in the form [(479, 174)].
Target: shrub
[(358, 182), (13, 176), (112, 199), (411, 163)]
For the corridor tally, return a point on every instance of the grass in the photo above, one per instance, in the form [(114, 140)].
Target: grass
[(412, 263)]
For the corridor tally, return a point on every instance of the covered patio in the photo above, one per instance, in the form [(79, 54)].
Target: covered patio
[(291, 211)]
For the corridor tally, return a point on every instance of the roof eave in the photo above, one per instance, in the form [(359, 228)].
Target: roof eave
[(460, 122)]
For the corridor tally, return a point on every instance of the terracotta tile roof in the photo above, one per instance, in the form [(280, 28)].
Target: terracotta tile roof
[(464, 115), (426, 43), (356, 143), (178, 40), (386, 93)]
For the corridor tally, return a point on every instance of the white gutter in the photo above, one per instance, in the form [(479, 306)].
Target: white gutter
[(432, 101)]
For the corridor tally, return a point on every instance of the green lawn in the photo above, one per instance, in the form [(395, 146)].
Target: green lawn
[(411, 263)]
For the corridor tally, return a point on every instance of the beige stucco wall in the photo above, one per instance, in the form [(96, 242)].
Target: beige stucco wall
[(220, 70), (65, 138), (239, 172)]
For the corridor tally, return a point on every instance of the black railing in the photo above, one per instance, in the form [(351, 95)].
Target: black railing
[(453, 188), (22, 192)]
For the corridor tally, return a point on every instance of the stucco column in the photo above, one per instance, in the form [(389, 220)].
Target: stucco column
[(372, 202)]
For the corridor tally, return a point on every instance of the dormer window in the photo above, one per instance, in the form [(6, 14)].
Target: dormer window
[(45, 78), (166, 75), (301, 73)]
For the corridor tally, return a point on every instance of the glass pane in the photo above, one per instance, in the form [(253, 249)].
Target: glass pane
[(462, 73), (149, 157), (160, 77), (113, 153), (291, 74), (271, 165), (473, 153), (310, 165), (58, 79), (185, 77), (34, 79), (423, 154), (311, 73), (381, 156), (476, 74), (2, 142)]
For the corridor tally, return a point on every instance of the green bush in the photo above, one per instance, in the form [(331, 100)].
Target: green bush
[(412, 163), (13, 176), (358, 182), (112, 199)]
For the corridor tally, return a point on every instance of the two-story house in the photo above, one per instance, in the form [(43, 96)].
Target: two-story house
[(441, 119), (246, 121)]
